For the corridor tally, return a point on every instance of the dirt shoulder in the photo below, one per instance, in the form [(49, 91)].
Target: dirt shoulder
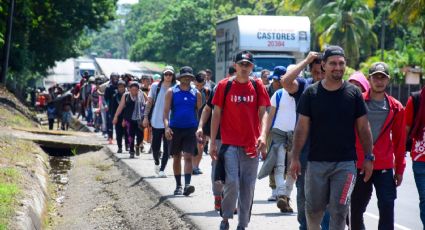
[(99, 196)]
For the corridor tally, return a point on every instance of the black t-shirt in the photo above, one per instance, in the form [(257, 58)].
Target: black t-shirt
[(332, 115)]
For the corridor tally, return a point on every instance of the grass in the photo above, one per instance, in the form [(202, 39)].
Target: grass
[(104, 167), (9, 191), (9, 118), (14, 150)]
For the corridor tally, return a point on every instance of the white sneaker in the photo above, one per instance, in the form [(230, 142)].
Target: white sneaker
[(161, 174), (157, 167), (273, 197)]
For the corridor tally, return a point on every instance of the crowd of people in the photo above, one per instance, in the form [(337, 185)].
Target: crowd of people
[(335, 140)]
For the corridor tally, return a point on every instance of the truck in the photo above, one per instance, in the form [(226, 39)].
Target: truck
[(82, 65), (273, 41)]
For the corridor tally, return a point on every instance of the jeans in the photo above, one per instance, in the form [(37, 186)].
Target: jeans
[(241, 175), (158, 135), (283, 188), (383, 181), (89, 117), (217, 186), (419, 174), (328, 185), (109, 125)]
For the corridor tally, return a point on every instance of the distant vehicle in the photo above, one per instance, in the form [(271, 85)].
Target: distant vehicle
[(82, 65), (274, 40)]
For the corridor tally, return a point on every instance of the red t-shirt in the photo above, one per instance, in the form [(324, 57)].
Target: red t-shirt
[(418, 147), (240, 123)]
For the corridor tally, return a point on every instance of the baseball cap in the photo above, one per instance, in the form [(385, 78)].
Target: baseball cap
[(156, 77), (91, 79), (186, 71), (168, 68), (379, 67), (332, 51), (278, 71), (244, 56)]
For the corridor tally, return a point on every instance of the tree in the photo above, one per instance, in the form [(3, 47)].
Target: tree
[(407, 10), (45, 31), (347, 23)]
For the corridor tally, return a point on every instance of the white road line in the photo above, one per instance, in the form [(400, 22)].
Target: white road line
[(395, 224)]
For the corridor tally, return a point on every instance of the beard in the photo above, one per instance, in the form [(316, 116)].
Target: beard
[(337, 77)]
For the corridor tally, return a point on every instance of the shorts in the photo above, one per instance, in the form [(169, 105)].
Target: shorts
[(184, 139)]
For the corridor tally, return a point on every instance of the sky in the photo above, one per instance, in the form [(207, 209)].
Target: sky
[(127, 1)]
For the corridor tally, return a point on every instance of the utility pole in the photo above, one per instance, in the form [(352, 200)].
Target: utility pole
[(6, 46), (382, 35)]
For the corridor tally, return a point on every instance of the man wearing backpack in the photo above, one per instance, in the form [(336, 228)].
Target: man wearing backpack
[(154, 117), (386, 118), (415, 125), (239, 106), (281, 123)]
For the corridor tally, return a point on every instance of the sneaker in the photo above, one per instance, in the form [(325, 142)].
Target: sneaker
[(162, 174), (217, 203), (224, 225), (273, 197), (197, 171), (283, 204), (178, 191), (137, 152), (131, 154), (110, 141), (119, 150), (188, 189), (157, 168)]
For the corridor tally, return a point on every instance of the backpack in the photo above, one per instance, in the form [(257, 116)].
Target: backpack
[(416, 100), (279, 93), (229, 85)]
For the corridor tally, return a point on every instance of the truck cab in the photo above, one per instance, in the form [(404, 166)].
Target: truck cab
[(273, 40)]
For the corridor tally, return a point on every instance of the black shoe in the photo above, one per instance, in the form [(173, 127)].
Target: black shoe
[(197, 171), (188, 189), (178, 191), (224, 225), (240, 228), (137, 152), (119, 150), (131, 154)]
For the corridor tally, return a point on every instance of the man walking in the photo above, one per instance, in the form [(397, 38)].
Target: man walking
[(154, 117), (110, 92), (183, 101), (386, 118), (330, 110), (295, 86), (415, 124), (236, 98)]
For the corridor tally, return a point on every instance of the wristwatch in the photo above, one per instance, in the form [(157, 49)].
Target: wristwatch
[(369, 157)]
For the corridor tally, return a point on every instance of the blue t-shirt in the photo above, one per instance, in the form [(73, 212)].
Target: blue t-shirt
[(183, 108)]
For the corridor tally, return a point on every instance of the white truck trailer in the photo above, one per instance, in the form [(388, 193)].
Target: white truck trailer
[(274, 40)]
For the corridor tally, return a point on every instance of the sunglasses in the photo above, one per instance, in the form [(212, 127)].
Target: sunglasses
[(168, 74)]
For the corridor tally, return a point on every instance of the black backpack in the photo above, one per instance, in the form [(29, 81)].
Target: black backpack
[(416, 100)]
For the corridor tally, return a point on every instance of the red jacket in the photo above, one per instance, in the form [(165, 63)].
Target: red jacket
[(389, 148)]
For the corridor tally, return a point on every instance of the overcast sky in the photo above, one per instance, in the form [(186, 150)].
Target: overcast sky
[(127, 1)]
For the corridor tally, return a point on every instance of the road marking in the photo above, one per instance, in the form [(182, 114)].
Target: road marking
[(395, 224)]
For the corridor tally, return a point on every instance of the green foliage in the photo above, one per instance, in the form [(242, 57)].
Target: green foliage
[(407, 11), (45, 31)]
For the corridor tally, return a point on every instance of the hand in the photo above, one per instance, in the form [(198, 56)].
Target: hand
[(261, 145), (145, 122), (398, 178), (199, 134), (213, 150), (312, 56), (367, 170), (295, 168), (115, 121), (168, 134)]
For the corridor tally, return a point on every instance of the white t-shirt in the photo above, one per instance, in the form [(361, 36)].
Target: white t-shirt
[(158, 111), (286, 115)]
